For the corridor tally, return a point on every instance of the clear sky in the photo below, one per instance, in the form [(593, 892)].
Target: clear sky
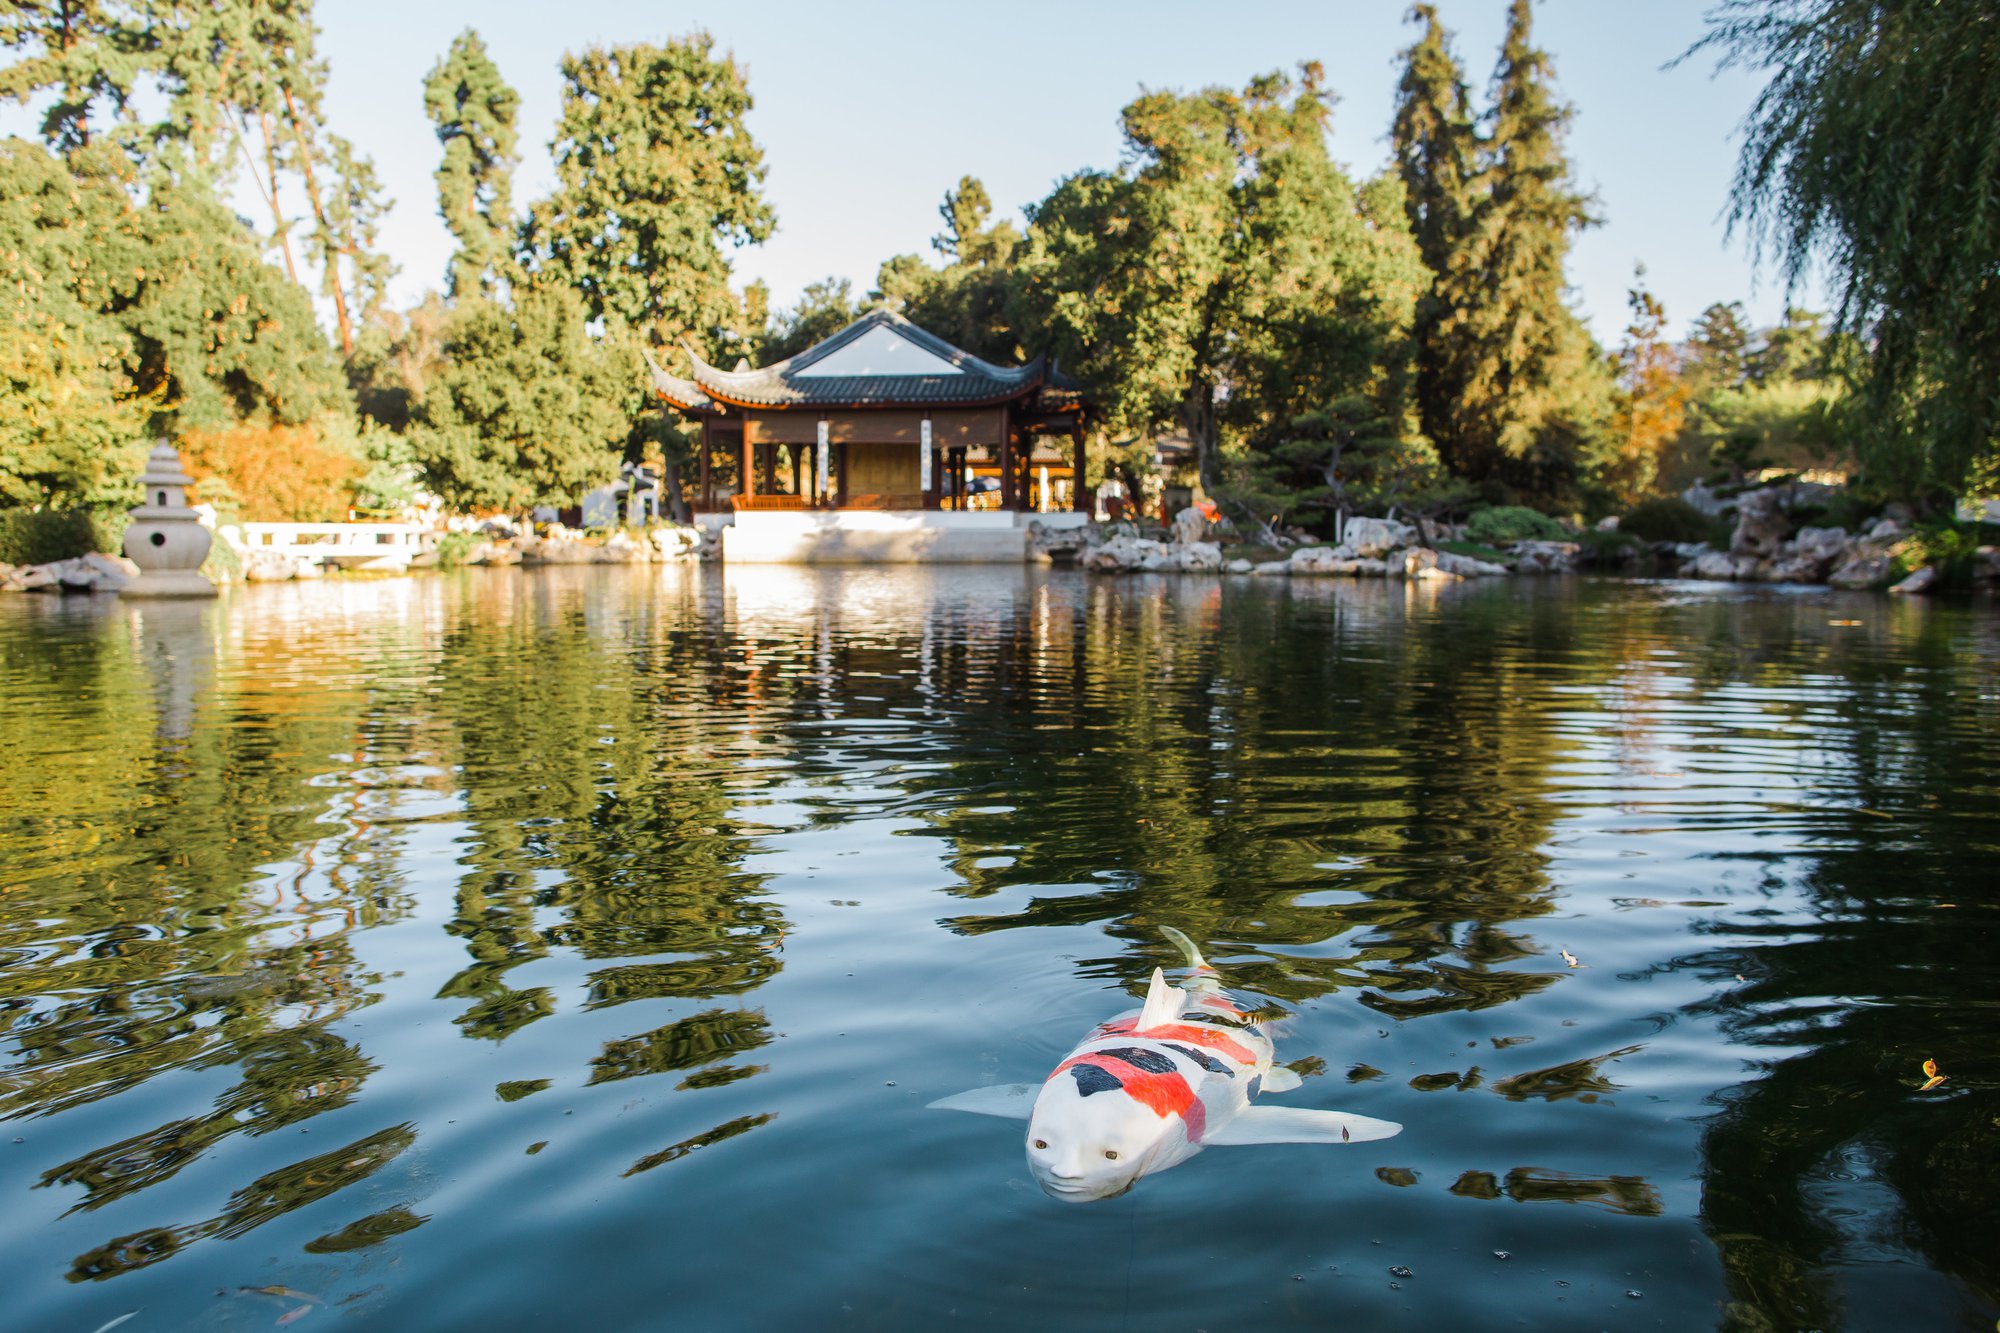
[(869, 112)]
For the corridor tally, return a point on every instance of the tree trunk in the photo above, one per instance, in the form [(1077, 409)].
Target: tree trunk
[(329, 246), (282, 228)]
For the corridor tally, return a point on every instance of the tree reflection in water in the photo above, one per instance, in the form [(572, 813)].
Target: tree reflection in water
[(609, 799)]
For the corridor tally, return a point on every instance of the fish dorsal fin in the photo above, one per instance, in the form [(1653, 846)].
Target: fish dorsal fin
[(1164, 1004), (1279, 1079), (1188, 951), (1009, 1101), (1290, 1124)]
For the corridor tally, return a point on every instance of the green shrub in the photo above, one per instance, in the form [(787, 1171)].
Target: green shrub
[(1513, 523), (223, 564), (1609, 548), (1666, 520), (1941, 542), (41, 536), (454, 547), (1476, 550)]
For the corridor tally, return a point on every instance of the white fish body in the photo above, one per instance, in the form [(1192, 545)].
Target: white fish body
[(1151, 1088)]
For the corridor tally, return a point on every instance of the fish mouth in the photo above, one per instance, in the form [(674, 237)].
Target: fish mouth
[(1080, 1193)]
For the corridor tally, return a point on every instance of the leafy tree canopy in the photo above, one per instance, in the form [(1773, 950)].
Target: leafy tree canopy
[(127, 319), (527, 408), (1874, 148), (1229, 275), (474, 110), (657, 176)]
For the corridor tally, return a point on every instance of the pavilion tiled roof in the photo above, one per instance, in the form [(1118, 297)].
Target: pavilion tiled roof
[(785, 385), (684, 394)]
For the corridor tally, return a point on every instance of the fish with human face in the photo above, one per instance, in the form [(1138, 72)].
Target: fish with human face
[(1149, 1089)]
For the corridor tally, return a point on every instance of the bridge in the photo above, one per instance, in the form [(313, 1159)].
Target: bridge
[(350, 545)]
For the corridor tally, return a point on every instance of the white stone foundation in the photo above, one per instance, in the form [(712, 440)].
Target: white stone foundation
[(876, 536)]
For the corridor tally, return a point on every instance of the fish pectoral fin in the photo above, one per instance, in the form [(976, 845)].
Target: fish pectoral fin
[(1290, 1124), (1164, 1004), (1280, 1079), (1009, 1101)]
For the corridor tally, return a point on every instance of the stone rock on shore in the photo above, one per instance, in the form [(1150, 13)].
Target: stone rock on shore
[(1374, 537), (1468, 567), (1923, 580), (94, 572), (1863, 568), (262, 566), (1762, 520), (1545, 557)]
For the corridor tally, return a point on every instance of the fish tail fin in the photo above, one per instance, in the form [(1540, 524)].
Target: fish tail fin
[(1186, 946)]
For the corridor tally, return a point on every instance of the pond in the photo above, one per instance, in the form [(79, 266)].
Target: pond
[(582, 947)]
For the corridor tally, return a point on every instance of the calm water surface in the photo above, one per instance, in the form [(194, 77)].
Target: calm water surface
[(580, 948)]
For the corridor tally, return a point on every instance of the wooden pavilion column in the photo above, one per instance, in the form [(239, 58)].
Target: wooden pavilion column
[(705, 487), (746, 473), (1007, 456), (1077, 494)]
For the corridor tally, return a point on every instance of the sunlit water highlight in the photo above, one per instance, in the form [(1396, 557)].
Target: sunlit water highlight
[(581, 947)]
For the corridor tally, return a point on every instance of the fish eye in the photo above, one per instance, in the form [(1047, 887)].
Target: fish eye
[(1111, 1154), (1042, 1143)]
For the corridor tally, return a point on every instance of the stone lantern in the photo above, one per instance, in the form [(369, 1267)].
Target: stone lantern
[(166, 539)]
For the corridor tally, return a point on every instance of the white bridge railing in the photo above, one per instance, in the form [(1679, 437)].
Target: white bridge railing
[(337, 543)]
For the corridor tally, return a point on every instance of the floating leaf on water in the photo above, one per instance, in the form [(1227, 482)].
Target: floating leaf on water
[(106, 1328), (1931, 1076), (292, 1316), (1930, 1069), (1400, 1176), (1570, 958)]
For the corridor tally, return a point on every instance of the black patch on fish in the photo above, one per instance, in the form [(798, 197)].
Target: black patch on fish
[(1091, 1078), (1150, 1061), (1256, 1084), (1202, 1058)]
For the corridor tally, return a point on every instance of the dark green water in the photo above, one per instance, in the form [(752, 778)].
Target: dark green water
[(579, 949)]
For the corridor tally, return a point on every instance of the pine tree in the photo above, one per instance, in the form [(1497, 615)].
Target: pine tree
[(967, 302), (1717, 352), (474, 110), (86, 53), (1436, 148), (1536, 387), (657, 176)]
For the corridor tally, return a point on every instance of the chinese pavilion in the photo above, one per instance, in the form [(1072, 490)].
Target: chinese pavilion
[(883, 416)]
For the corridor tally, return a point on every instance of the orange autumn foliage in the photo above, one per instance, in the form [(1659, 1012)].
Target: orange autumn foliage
[(266, 474)]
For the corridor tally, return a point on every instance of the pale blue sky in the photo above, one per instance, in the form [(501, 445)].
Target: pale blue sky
[(869, 112)]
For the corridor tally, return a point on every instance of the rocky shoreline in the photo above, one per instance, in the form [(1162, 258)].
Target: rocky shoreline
[(1766, 546)]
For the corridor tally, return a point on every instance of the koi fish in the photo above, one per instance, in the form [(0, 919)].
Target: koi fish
[(1149, 1089)]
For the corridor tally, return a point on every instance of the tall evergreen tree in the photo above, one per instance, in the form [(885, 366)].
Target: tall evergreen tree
[(1536, 387), (656, 176), (1717, 352), (86, 55), (1436, 148), (968, 301), (474, 110)]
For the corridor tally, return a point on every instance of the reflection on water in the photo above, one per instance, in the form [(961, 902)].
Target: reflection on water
[(435, 946)]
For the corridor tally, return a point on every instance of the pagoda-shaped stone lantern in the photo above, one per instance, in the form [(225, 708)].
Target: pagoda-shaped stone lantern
[(166, 539)]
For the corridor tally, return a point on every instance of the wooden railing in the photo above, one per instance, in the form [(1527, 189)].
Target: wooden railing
[(886, 500), (742, 502)]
